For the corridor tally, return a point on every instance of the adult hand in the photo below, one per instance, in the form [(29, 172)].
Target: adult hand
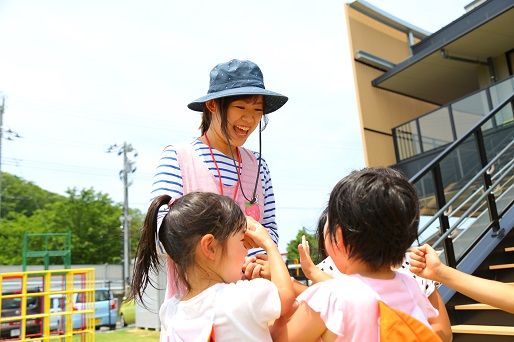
[(424, 262)]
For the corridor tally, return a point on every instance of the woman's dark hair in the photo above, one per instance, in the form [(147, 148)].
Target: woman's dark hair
[(378, 212), (320, 235), (189, 218), (224, 103)]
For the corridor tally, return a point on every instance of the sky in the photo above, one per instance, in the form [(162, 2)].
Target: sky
[(80, 76)]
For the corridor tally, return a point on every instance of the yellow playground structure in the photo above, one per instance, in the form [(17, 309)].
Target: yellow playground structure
[(48, 305)]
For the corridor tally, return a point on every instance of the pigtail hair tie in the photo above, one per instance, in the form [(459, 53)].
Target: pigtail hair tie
[(170, 203)]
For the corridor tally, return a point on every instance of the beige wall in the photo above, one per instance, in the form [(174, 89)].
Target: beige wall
[(500, 67), (379, 110)]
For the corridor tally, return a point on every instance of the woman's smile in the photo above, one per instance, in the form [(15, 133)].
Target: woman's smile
[(241, 131)]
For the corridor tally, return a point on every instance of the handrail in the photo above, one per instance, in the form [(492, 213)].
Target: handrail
[(435, 169), (464, 188), (486, 192), (457, 142), (456, 224)]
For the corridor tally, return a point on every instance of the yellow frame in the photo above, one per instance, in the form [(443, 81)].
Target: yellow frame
[(87, 334)]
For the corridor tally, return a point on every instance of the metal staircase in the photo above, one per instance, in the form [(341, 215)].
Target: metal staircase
[(467, 215)]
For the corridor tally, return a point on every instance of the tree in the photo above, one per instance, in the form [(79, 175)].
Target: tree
[(135, 230), (292, 246), (93, 220), (23, 197), (91, 217)]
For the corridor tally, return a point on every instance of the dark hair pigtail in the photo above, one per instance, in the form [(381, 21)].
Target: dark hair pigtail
[(147, 258)]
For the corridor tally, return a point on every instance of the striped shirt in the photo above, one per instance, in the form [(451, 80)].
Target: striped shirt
[(168, 180)]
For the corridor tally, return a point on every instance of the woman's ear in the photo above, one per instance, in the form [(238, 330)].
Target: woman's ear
[(211, 106), (208, 246)]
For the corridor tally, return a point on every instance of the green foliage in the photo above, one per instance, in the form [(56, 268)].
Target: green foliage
[(11, 234), (135, 229), (23, 197), (94, 222), (292, 246), (91, 217)]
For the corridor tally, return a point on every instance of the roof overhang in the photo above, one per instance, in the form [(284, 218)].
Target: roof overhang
[(385, 18), (443, 66)]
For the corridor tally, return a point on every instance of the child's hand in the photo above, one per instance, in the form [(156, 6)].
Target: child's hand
[(256, 235), (305, 258), (249, 268), (309, 269), (257, 267), (424, 262)]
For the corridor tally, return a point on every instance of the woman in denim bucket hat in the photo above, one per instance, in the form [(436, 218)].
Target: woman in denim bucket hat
[(235, 105)]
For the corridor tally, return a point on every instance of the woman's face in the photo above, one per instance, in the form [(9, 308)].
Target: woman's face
[(243, 116)]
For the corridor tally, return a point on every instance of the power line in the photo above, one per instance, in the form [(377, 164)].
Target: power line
[(58, 167)]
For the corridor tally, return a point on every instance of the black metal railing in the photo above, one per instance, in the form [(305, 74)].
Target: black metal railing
[(450, 122), (467, 188)]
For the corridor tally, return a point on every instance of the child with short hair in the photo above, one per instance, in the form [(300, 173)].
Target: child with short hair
[(207, 237), (440, 324), (373, 216)]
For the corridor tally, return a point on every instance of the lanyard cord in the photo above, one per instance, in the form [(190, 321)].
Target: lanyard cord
[(219, 173), (254, 199)]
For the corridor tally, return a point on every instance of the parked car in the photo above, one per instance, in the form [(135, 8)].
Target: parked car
[(106, 309), (127, 312), (57, 304), (12, 307)]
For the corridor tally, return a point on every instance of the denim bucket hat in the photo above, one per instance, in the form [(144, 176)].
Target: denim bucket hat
[(238, 78)]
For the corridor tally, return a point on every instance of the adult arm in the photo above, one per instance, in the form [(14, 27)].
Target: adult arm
[(426, 263), (268, 220), (167, 179)]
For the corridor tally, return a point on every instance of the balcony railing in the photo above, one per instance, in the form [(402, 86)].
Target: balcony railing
[(467, 190), (450, 122)]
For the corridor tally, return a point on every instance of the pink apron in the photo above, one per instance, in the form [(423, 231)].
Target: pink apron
[(197, 177)]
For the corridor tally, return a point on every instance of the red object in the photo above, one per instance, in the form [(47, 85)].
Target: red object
[(113, 304), (212, 336), (253, 211)]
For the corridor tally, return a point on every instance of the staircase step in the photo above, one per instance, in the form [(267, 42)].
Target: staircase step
[(483, 329), (501, 266), (509, 249), (477, 306)]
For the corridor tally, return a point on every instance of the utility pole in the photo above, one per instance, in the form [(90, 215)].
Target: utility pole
[(9, 135), (128, 168)]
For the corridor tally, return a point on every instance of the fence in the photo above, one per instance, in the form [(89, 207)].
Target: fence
[(44, 310)]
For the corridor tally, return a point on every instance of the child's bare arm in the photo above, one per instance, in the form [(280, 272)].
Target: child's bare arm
[(257, 236), (304, 325), (426, 264), (440, 324)]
